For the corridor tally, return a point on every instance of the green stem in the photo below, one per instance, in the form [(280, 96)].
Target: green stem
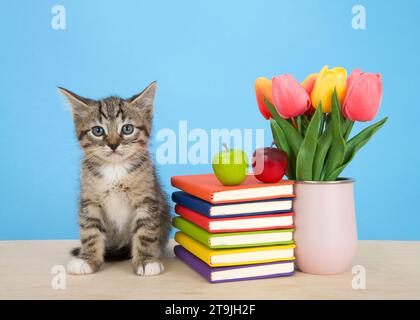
[(294, 122), (348, 131), (299, 124)]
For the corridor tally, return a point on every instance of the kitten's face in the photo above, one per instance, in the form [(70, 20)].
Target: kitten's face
[(113, 129)]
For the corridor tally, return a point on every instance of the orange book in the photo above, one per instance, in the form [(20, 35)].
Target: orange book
[(208, 188)]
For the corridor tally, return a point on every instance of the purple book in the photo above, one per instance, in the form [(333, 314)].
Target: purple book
[(237, 273)]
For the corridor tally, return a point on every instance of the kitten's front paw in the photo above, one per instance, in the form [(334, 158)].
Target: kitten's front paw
[(149, 268), (79, 266)]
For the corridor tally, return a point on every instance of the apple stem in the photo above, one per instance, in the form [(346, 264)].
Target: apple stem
[(225, 146)]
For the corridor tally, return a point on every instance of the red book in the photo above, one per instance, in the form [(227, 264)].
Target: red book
[(237, 224), (208, 188)]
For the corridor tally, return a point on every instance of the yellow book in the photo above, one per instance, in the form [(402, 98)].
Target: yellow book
[(235, 257)]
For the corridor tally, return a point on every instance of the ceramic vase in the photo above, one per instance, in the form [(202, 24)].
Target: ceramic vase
[(326, 231)]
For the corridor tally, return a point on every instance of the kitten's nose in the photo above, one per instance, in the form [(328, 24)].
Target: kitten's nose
[(113, 146)]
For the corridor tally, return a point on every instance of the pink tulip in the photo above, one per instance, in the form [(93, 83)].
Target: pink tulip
[(289, 97), (364, 95)]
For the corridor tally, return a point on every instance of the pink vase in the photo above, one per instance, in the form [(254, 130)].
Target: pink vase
[(326, 231)]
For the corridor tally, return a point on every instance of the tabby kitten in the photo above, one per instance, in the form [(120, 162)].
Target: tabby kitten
[(123, 212)]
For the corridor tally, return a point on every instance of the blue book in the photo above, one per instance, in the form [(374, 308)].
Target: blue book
[(283, 205)]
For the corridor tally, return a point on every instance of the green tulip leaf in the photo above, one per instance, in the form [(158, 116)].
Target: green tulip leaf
[(322, 148), (305, 157), (356, 143), (281, 142), (338, 145), (359, 140), (344, 124), (294, 139), (299, 123), (305, 124), (305, 121)]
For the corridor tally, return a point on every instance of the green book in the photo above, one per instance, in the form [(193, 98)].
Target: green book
[(234, 239)]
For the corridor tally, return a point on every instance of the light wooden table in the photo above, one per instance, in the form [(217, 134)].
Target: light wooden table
[(392, 272)]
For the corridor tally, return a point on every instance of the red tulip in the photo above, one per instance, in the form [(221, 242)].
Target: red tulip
[(364, 95), (289, 97), (263, 91), (309, 83)]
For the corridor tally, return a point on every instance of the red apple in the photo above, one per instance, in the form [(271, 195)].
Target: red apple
[(269, 164)]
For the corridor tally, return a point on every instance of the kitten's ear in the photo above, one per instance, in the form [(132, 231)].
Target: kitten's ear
[(145, 98), (79, 104)]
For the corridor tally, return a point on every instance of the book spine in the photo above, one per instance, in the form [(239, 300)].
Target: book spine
[(194, 247), (194, 262), (192, 203), (196, 190), (195, 218), (192, 230)]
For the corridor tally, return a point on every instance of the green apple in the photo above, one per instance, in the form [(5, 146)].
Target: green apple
[(230, 166)]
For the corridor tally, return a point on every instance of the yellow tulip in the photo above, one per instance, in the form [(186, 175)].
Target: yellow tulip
[(325, 83)]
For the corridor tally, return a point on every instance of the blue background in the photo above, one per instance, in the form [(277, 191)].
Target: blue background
[(205, 56)]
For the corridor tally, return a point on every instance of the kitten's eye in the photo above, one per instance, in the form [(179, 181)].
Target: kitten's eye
[(98, 131), (127, 129)]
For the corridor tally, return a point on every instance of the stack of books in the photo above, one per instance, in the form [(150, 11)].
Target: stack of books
[(231, 233)]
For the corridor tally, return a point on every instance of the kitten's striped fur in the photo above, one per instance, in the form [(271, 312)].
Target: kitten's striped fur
[(123, 212)]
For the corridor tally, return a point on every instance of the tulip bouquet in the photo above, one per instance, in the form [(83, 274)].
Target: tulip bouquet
[(312, 121)]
